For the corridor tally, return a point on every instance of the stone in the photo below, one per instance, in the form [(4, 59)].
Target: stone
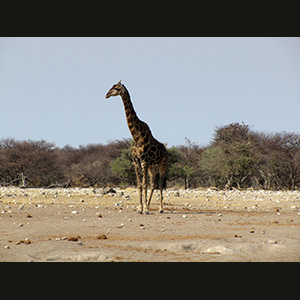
[(101, 237), (73, 238), (218, 250)]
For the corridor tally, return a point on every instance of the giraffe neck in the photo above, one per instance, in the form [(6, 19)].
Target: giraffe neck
[(135, 125)]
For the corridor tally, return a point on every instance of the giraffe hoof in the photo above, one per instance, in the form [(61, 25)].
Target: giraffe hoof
[(161, 211), (146, 212), (140, 211)]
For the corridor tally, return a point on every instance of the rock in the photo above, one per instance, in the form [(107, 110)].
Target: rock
[(73, 238), (272, 242), (188, 247), (212, 188), (26, 242), (74, 212), (101, 237), (218, 250), (106, 191)]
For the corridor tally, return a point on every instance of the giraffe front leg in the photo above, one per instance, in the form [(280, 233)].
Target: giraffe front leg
[(145, 171), (152, 173), (145, 206), (140, 210), (161, 209), (138, 173)]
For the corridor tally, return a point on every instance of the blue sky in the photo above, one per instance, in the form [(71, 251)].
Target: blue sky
[(54, 88)]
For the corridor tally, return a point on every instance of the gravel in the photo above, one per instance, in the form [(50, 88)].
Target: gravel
[(87, 224)]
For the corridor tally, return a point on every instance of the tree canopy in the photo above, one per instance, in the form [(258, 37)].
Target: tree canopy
[(236, 157)]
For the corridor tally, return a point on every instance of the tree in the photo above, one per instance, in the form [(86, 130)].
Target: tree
[(28, 163), (231, 133), (191, 172), (180, 167), (230, 161), (213, 167), (123, 167), (279, 164)]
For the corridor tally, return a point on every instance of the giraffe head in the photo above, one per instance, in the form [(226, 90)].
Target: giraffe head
[(117, 89)]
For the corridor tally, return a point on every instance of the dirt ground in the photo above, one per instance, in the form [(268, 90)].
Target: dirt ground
[(202, 225)]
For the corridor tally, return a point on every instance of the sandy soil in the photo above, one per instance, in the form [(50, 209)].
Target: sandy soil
[(197, 225)]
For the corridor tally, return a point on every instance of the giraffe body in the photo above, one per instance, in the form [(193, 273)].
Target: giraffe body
[(148, 154)]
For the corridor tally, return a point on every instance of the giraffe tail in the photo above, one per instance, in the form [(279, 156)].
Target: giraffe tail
[(165, 182)]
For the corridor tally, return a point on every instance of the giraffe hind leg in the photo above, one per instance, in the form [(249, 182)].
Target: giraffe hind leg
[(152, 173), (162, 185)]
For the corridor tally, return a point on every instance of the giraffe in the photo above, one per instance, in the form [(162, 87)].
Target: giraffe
[(148, 154)]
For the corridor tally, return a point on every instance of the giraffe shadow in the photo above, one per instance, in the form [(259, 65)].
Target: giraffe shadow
[(183, 212)]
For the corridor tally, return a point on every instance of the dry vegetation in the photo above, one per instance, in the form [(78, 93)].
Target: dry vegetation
[(237, 157)]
